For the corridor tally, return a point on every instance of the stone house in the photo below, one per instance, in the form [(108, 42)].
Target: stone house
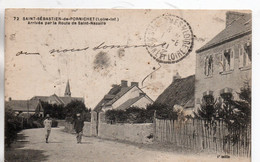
[(123, 96), (223, 65)]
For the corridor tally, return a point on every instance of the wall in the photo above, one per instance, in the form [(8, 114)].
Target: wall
[(126, 132), (138, 133), (61, 123), (132, 93), (235, 79), (69, 127), (143, 102), (86, 129)]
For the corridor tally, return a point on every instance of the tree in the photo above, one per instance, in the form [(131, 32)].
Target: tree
[(237, 113), (208, 108), (163, 111), (54, 110), (136, 115), (75, 107), (12, 126)]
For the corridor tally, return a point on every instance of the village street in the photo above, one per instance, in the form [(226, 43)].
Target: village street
[(62, 147)]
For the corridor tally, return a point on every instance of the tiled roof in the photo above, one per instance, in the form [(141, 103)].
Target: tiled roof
[(240, 26), (109, 96), (67, 100), (180, 92), (119, 94), (128, 103), (62, 100), (22, 105)]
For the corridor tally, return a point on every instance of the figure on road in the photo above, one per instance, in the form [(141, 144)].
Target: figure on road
[(47, 127), (78, 126)]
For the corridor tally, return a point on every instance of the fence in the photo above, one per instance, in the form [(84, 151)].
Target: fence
[(198, 135)]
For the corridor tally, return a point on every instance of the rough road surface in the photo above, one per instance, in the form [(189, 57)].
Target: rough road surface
[(62, 146)]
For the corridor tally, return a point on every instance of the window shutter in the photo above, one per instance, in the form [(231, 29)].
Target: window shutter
[(232, 60), (241, 51), (206, 65), (221, 63)]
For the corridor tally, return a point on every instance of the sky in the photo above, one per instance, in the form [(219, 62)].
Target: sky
[(91, 73)]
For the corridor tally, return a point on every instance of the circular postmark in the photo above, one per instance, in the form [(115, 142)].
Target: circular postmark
[(169, 39)]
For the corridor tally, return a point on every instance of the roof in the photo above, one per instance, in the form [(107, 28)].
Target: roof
[(119, 94), (129, 102), (113, 95), (62, 100), (180, 92), (23, 105), (67, 100), (239, 27)]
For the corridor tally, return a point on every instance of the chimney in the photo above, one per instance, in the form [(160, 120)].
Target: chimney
[(10, 98), (124, 83), (177, 76), (134, 84), (231, 16)]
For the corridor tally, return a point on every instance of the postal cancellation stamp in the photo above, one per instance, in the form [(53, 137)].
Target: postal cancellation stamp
[(175, 36)]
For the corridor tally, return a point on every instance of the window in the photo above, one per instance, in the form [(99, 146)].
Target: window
[(227, 61), (245, 54), (208, 67)]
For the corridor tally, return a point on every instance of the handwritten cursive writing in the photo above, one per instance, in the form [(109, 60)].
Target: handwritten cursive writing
[(26, 53), (68, 50), (104, 46)]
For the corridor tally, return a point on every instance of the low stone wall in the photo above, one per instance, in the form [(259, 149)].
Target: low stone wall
[(69, 127), (87, 129), (139, 133), (61, 123)]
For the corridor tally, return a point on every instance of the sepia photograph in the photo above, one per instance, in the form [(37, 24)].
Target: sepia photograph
[(127, 85)]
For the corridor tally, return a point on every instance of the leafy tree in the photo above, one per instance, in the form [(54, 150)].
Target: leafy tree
[(116, 116), (237, 113), (163, 111), (54, 110), (208, 108), (12, 126), (136, 115), (75, 107)]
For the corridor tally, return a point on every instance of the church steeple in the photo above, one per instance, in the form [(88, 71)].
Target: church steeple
[(67, 90)]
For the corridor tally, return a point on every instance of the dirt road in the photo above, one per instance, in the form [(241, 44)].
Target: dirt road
[(63, 147)]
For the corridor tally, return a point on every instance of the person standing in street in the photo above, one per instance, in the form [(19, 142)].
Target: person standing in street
[(47, 127), (78, 126)]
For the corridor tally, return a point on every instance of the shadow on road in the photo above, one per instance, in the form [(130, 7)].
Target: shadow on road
[(17, 153)]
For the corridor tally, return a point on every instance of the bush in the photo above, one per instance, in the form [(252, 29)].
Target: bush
[(163, 111), (116, 116), (12, 126), (140, 115), (136, 115), (54, 123)]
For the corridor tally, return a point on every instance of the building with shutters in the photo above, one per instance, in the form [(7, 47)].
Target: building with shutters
[(223, 65)]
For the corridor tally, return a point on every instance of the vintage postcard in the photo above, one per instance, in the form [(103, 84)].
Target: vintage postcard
[(128, 85)]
